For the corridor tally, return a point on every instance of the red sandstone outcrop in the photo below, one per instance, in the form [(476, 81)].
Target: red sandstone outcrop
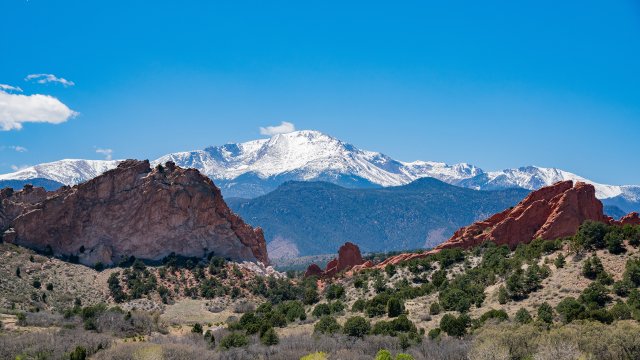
[(630, 219), (549, 213), (348, 257), (132, 210), (313, 270)]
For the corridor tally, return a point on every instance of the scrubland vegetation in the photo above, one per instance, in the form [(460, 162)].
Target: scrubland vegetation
[(564, 299)]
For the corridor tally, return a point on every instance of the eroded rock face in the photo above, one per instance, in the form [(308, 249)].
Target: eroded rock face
[(313, 270), (348, 257), (132, 210), (549, 213), (630, 219)]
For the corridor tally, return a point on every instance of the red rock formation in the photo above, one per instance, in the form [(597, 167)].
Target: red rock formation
[(348, 257), (549, 213), (630, 219), (313, 270), (131, 211)]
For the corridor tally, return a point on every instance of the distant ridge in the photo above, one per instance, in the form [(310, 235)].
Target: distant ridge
[(309, 218)]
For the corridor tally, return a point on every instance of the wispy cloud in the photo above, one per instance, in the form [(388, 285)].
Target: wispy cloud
[(283, 128), (16, 109), (108, 153), (16, 148), (8, 88), (47, 78), (19, 148), (18, 167)]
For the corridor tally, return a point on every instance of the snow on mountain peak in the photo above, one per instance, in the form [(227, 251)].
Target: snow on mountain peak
[(67, 171), (313, 155)]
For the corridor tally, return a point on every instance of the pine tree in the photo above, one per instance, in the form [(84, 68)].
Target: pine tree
[(269, 338)]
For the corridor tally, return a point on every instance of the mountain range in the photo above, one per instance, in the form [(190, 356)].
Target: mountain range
[(254, 168), (303, 218)]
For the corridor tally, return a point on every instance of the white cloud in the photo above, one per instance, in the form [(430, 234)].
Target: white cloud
[(47, 78), (108, 153), (15, 148), (18, 167), (6, 87), (16, 109), (283, 128)]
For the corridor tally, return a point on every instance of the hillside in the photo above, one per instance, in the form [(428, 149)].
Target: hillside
[(309, 218), (578, 295), (550, 278)]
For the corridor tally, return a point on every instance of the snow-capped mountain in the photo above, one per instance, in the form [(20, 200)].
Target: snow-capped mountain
[(533, 177), (311, 155), (67, 172), (256, 167)]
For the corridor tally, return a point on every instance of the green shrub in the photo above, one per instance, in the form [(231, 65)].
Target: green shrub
[(523, 316), (234, 340), (503, 295), (404, 357), (632, 271), (614, 240), (455, 326), (269, 338), (454, 299), (521, 283), (197, 328), (620, 311), (383, 355), (559, 261), (359, 305), (310, 296), (499, 315), (321, 310), (592, 267), (334, 292), (326, 325), (570, 309), (434, 309), (623, 287), (401, 324), (595, 295), (590, 235), (395, 307), (336, 307), (545, 313), (356, 326), (601, 315), (79, 353), (210, 339), (438, 278), (434, 333), (390, 270)]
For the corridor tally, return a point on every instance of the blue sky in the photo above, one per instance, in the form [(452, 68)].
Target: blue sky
[(496, 84)]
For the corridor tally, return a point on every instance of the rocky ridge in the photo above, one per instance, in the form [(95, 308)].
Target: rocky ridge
[(549, 213), (132, 210)]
